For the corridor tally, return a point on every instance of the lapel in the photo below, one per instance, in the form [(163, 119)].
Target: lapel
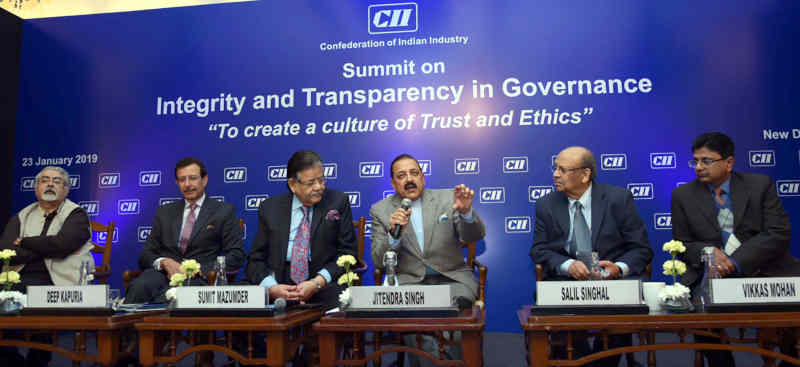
[(317, 217), (561, 213), (429, 219), (283, 221), (705, 202), (739, 198), (177, 213), (209, 206), (599, 203)]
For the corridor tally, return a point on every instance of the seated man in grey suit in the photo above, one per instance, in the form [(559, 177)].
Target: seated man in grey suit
[(583, 215), (428, 247), (741, 216), (198, 228)]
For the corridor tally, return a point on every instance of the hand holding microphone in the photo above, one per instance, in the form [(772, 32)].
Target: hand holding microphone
[(399, 218)]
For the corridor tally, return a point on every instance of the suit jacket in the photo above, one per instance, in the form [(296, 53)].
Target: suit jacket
[(443, 230), (759, 223), (216, 232), (331, 236), (618, 233)]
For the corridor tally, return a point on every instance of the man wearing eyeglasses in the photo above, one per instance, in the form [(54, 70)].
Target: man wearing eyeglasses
[(428, 246), (300, 236), (584, 216), (739, 214), (51, 239), (197, 227)]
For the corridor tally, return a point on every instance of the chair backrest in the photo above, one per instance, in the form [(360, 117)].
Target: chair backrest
[(360, 226), (478, 268), (103, 271)]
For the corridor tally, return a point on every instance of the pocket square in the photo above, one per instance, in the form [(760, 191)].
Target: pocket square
[(333, 214), (210, 227), (443, 218)]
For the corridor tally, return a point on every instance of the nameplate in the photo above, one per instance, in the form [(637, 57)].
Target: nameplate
[(231, 296), (75, 296), (407, 296), (755, 290), (592, 292)]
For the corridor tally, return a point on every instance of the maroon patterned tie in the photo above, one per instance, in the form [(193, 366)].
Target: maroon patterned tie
[(186, 233), (300, 250)]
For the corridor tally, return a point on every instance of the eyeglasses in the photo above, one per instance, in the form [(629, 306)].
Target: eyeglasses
[(191, 178), (705, 161), (563, 170), (402, 175), (48, 179), (310, 183)]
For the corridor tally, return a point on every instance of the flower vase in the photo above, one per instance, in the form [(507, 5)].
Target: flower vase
[(10, 306), (678, 305)]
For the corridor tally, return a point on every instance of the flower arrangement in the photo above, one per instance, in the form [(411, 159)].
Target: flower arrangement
[(189, 269), (674, 267), (9, 278), (346, 261)]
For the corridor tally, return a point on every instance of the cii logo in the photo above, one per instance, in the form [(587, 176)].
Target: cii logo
[(217, 198), (663, 160), (330, 171), (234, 174), (27, 184), (662, 221), (370, 169), (515, 164), (276, 173), (641, 191), (392, 18), (149, 178), (74, 182), (538, 192), (387, 193), (426, 166), (761, 158), (614, 162), (518, 224), (100, 237), (128, 206), (788, 187), (108, 180), (251, 202), (165, 201), (92, 208), (143, 232), (368, 228), (467, 166), (492, 195), (355, 198)]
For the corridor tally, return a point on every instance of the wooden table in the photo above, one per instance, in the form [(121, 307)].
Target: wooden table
[(106, 328), (333, 330), (538, 328), (159, 336)]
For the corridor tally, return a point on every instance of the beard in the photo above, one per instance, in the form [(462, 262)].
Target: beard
[(49, 196)]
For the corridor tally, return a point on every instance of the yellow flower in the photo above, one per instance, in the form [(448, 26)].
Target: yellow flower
[(674, 267), (4, 277), (345, 259), (7, 254), (190, 266), (177, 279), (674, 247), (13, 277), (347, 278)]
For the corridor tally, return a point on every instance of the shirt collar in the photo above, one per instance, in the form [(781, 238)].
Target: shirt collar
[(726, 186), (199, 202), (296, 203), (585, 199)]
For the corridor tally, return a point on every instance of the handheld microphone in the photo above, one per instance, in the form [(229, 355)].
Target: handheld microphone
[(398, 229)]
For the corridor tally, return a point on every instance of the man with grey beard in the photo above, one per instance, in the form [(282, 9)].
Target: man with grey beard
[(51, 238)]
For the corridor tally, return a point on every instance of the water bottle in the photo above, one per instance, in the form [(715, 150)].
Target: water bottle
[(85, 273), (222, 278), (707, 257), (389, 263)]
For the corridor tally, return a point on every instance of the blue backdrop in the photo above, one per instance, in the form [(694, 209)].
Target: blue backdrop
[(633, 81)]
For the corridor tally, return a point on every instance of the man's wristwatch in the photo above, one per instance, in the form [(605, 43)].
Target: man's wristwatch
[(319, 286)]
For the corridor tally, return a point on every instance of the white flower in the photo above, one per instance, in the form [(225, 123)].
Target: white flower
[(190, 266), (674, 291), (7, 254), (19, 297), (177, 279), (674, 247), (171, 293), (345, 297), (345, 259)]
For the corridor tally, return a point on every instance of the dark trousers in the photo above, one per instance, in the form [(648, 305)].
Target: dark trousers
[(716, 358), (148, 287)]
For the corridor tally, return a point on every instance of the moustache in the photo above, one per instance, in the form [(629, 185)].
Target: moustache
[(49, 191), (410, 185)]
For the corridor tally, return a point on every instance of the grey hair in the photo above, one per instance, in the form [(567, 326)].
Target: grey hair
[(587, 161), (63, 172)]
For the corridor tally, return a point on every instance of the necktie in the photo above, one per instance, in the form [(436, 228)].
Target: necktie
[(300, 250), (718, 196), (581, 237), (186, 233)]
